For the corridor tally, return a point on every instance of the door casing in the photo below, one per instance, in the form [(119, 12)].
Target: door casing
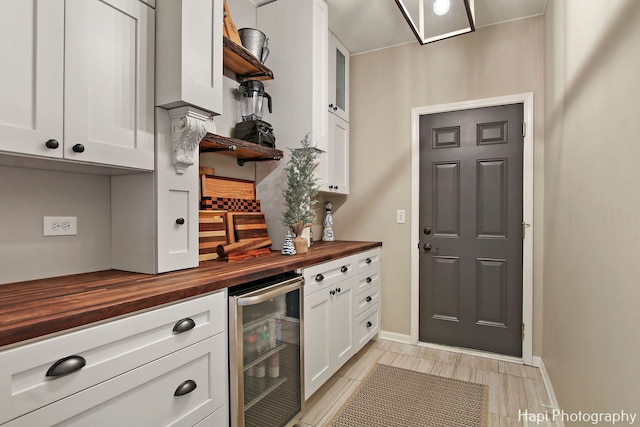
[(527, 207)]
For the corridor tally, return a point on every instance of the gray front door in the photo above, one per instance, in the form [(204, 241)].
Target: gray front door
[(471, 228)]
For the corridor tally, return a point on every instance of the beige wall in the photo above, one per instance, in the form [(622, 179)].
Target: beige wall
[(592, 237), (26, 195), (494, 61)]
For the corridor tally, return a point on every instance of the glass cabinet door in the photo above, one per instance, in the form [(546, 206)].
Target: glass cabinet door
[(338, 78)]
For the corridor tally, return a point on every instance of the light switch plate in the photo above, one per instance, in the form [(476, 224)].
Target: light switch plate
[(400, 216), (60, 226)]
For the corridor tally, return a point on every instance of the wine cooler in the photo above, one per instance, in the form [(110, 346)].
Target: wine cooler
[(265, 345)]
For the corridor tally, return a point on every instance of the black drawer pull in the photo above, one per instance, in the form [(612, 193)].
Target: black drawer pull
[(344, 269), (338, 289), (78, 148), (184, 325), (319, 278), (52, 144), (180, 221), (66, 366), (369, 324), (332, 292), (185, 388), (368, 261), (368, 299), (368, 280)]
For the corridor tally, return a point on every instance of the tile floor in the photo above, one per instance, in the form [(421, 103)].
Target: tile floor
[(512, 387)]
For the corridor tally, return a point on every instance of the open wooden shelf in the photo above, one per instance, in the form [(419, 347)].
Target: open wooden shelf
[(244, 64), (245, 151)]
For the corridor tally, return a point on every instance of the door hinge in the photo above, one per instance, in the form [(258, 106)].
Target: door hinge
[(524, 229), (523, 332), (524, 129)]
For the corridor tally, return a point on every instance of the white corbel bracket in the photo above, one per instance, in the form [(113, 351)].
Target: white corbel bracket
[(188, 126)]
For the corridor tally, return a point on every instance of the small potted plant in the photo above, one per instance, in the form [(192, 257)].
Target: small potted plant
[(299, 196)]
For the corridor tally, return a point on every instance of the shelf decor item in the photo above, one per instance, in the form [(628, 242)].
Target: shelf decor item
[(327, 232), (299, 195), (288, 248)]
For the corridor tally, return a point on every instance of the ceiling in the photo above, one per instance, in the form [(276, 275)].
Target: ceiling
[(366, 25)]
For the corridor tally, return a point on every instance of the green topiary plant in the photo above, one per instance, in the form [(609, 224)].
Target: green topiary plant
[(302, 187)]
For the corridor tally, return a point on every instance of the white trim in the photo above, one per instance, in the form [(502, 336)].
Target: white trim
[(394, 336), (551, 395), (527, 207)]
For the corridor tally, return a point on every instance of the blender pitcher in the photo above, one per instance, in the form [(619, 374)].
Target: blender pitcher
[(253, 94)]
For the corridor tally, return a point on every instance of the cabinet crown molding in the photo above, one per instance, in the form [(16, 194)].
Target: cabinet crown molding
[(188, 126)]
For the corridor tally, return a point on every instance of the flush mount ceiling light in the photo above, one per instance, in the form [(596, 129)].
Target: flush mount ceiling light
[(432, 20)]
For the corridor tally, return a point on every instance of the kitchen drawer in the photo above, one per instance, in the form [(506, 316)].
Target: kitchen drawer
[(146, 396), (365, 300), (217, 419), (368, 280), (368, 259), (366, 326), (109, 349), (320, 276)]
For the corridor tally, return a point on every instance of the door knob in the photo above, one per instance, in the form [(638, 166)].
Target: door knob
[(427, 246), (427, 230)]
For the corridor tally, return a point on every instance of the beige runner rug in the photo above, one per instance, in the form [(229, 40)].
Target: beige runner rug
[(392, 396)]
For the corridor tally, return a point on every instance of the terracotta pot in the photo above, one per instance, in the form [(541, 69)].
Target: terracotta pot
[(300, 244)]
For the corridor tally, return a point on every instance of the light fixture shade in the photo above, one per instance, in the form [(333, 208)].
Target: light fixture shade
[(429, 27)]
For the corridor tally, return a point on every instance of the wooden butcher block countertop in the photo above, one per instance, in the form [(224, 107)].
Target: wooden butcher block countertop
[(36, 308)]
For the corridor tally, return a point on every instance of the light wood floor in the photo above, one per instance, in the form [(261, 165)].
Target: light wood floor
[(512, 386)]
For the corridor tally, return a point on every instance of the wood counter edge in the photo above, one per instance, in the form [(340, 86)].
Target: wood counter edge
[(172, 287)]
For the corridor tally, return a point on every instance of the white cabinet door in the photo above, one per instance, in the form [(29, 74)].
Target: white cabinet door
[(189, 56), (317, 340), (31, 66), (333, 166), (338, 78), (109, 82), (342, 318)]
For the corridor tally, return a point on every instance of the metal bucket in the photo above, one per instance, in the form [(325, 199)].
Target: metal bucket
[(255, 41)]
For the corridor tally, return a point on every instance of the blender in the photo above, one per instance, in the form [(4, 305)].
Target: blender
[(252, 128)]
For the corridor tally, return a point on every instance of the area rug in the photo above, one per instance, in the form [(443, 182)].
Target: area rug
[(392, 396)]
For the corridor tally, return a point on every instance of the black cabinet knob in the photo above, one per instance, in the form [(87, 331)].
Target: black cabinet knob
[(338, 289), (369, 324), (52, 143), (335, 187), (331, 187), (368, 261), (332, 292), (368, 280), (180, 221), (78, 148), (185, 388), (427, 230), (368, 299), (66, 366), (344, 269), (335, 108), (330, 105), (319, 278)]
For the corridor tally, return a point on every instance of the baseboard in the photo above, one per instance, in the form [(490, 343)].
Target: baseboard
[(553, 402), (394, 336)]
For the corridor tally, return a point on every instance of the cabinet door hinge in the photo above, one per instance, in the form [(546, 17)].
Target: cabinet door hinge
[(523, 332), (524, 229), (524, 129)]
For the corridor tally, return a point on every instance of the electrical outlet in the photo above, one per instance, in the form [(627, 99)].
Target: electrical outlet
[(59, 226), (400, 216)]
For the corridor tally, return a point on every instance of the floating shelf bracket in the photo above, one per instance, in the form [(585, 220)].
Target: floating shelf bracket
[(241, 162)]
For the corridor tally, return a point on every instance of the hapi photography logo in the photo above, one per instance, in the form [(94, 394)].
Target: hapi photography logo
[(594, 418)]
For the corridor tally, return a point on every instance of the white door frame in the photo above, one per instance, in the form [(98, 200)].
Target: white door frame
[(527, 208)]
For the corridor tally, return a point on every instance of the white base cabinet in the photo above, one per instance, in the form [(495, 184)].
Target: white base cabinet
[(340, 314), (134, 368)]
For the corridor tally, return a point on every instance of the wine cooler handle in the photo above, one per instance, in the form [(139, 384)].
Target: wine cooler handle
[(265, 294)]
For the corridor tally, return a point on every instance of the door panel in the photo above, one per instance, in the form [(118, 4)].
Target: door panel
[(471, 228)]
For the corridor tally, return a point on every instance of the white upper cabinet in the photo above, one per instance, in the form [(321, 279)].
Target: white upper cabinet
[(189, 56), (81, 81), (31, 66), (338, 78)]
